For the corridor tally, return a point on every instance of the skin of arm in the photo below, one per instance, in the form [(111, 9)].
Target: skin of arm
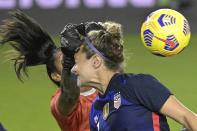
[(177, 111), (70, 40), (67, 100)]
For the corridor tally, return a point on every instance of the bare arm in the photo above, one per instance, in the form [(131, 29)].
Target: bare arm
[(70, 41), (67, 100), (177, 111)]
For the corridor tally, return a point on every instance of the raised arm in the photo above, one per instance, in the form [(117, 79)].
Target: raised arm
[(70, 41), (67, 100), (177, 111)]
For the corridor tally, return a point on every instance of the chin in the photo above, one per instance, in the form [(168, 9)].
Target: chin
[(81, 84)]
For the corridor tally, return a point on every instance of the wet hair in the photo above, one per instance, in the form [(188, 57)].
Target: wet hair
[(109, 43), (33, 44)]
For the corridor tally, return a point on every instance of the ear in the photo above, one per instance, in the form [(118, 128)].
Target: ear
[(97, 61), (56, 76)]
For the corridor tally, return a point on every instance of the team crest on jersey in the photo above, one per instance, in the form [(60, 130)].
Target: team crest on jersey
[(105, 111), (117, 100)]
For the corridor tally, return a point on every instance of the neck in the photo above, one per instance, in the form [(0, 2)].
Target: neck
[(102, 80)]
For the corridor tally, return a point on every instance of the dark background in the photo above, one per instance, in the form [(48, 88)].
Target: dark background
[(54, 17)]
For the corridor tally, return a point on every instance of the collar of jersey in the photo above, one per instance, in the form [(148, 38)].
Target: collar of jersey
[(114, 77), (87, 93)]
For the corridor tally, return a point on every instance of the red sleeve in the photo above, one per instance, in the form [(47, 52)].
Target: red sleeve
[(79, 119)]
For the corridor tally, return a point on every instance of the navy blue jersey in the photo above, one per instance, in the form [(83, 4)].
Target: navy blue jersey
[(131, 103), (1, 128)]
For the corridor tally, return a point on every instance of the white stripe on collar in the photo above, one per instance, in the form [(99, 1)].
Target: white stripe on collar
[(87, 93)]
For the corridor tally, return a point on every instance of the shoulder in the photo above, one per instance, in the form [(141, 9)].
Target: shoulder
[(132, 76), (143, 82), (135, 79), (140, 77), (129, 81), (57, 93), (138, 83)]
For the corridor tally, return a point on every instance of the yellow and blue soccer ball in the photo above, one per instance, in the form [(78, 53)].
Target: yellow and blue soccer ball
[(165, 32)]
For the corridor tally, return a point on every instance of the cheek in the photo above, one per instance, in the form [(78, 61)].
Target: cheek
[(83, 77), (81, 67), (87, 72)]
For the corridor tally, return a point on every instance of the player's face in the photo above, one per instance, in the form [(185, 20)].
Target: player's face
[(58, 64), (83, 69)]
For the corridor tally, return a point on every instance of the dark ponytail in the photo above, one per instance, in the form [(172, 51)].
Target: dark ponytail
[(27, 37)]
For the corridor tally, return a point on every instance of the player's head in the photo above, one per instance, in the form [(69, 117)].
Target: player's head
[(100, 49), (54, 66), (32, 44)]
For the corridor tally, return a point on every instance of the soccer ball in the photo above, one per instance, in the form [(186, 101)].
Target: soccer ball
[(165, 32)]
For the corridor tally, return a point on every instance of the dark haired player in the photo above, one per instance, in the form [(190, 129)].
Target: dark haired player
[(34, 47)]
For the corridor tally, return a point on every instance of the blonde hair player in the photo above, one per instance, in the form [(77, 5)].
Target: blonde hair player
[(137, 102)]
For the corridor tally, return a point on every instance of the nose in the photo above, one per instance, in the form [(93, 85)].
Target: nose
[(74, 69)]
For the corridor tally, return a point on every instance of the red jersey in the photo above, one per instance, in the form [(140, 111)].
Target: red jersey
[(79, 119)]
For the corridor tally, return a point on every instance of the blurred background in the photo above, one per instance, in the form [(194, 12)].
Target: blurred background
[(25, 106)]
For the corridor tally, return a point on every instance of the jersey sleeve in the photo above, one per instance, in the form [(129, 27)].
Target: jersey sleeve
[(150, 92)]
